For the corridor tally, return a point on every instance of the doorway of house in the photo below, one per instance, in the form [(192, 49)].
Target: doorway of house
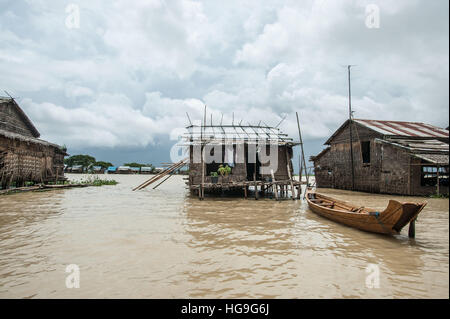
[(251, 167)]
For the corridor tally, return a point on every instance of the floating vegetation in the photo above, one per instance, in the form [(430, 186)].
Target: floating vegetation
[(96, 181)]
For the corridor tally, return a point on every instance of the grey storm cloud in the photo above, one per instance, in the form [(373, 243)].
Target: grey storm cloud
[(132, 70)]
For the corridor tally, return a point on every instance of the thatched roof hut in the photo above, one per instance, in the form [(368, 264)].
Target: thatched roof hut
[(23, 156)]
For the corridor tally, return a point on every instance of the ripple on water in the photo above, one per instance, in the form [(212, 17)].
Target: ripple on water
[(164, 244)]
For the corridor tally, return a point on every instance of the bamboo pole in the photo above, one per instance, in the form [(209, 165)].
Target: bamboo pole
[(163, 173), (203, 175), (170, 175), (350, 127), (289, 174), (202, 188), (300, 168)]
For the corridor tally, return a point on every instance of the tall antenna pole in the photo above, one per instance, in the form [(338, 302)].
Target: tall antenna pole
[(303, 161), (350, 126)]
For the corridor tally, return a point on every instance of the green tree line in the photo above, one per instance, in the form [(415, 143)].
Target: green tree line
[(88, 161)]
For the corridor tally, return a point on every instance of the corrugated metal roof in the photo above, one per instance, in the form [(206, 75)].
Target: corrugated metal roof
[(424, 146), (441, 159), (433, 151), (397, 128)]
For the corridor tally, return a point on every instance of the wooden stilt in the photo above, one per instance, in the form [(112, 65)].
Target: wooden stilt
[(290, 175), (412, 229), (254, 181), (245, 192), (203, 172), (437, 181), (263, 190), (274, 185)]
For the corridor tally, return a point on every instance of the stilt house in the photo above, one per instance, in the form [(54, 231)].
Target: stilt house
[(392, 157)]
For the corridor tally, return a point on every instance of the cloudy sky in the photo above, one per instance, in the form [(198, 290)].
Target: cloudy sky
[(119, 82)]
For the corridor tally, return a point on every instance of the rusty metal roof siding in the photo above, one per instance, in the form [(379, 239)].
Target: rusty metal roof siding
[(433, 151), (432, 146), (440, 159), (397, 128)]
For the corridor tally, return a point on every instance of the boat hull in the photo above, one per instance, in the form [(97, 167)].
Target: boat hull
[(390, 221)]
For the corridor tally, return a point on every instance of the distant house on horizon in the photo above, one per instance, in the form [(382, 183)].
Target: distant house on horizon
[(77, 169), (135, 170), (124, 170), (393, 157), (111, 170), (98, 170), (146, 170)]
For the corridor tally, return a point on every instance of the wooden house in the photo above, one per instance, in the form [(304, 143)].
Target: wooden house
[(245, 149), (146, 170), (135, 170), (124, 170), (392, 157), (97, 170), (78, 169), (23, 156)]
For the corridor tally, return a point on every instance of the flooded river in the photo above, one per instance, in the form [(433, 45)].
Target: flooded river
[(163, 244)]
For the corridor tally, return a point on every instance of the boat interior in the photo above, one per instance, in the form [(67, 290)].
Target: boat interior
[(332, 204)]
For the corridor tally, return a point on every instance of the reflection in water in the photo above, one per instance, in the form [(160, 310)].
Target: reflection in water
[(164, 244)]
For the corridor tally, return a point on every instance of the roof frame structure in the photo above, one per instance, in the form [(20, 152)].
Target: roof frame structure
[(209, 134)]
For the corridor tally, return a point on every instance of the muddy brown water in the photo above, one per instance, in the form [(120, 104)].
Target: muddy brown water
[(164, 244)]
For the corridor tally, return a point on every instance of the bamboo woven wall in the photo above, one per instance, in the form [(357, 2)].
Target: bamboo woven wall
[(22, 162)]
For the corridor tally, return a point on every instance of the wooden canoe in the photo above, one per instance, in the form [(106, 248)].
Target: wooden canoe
[(390, 221)]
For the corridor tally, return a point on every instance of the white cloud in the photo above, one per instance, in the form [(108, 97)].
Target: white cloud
[(131, 72)]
